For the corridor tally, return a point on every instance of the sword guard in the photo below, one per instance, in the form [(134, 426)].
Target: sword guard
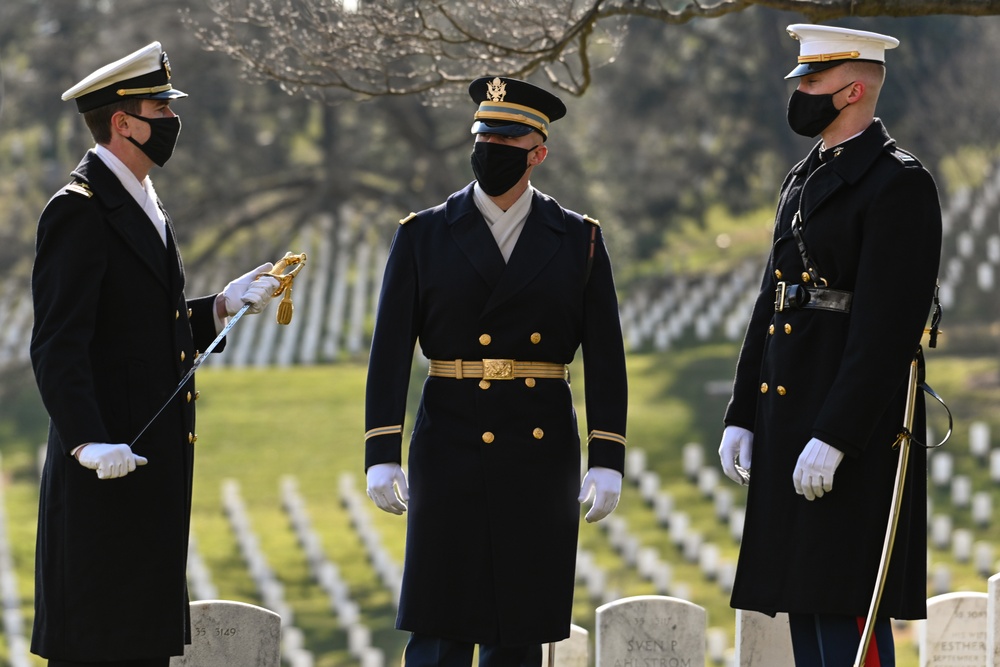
[(284, 314)]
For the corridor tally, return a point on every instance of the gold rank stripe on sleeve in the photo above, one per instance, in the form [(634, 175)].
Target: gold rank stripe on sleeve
[(384, 430), (606, 435)]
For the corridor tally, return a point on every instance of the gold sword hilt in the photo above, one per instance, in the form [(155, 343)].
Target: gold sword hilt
[(285, 307)]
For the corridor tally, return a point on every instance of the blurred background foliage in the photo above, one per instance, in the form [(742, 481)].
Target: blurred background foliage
[(678, 146)]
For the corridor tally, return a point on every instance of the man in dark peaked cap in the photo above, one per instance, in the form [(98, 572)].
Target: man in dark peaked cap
[(821, 381), (113, 336), (501, 285)]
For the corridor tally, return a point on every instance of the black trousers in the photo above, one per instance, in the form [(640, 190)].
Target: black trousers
[(148, 662), (425, 651), (828, 640)]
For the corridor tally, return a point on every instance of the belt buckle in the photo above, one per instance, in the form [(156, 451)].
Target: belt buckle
[(498, 369), (779, 297)]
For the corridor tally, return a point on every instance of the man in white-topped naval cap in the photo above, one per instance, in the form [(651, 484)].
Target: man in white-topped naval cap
[(821, 381), (113, 335)]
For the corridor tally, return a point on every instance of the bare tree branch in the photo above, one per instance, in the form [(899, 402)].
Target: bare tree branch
[(434, 47)]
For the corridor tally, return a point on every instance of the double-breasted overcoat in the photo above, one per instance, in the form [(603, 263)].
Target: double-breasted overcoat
[(871, 224), (113, 335), (494, 467)]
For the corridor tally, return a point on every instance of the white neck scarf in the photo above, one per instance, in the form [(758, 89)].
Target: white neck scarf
[(143, 193), (505, 225)]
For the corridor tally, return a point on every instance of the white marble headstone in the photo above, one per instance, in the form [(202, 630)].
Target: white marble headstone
[(574, 651), (651, 630), (993, 622), (226, 633), (955, 630), (762, 641)]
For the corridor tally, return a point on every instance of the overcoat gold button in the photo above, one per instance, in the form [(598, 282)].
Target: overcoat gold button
[(177, 314), (788, 328), (189, 397), (484, 384), (538, 433), (197, 395), (763, 388), (189, 313), (529, 382), (805, 277), (781, 390), (183, 356), (536, 338), (770, 329), (192, 438), (485, 339), (777, 274), (487, 437)]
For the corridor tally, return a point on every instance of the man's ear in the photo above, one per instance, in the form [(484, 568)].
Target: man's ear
[(119, 124), (538, 155), (857, 92)]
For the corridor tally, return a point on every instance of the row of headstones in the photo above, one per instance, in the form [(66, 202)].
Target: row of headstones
[(333, 296), (10, 600), (388, 570), (961, 628), (965, 221), (700, 305), (271, 590), (327, 576)]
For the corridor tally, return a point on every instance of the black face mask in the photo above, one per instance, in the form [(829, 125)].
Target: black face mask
[(162, 138), (498, 167), (809, 115)]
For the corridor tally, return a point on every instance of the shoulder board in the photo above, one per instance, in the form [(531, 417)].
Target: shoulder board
[(592, 221), (80, 188), (405, 220), (905, 158)]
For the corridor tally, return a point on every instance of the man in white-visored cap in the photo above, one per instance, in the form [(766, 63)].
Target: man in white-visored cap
[(821, 381), (113, 335)]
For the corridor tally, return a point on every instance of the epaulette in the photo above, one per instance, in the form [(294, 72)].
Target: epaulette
[(593, 221), (405, 220), (905, 158), (80, 188)]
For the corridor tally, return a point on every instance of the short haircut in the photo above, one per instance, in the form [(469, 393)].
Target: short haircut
[(99, 119)]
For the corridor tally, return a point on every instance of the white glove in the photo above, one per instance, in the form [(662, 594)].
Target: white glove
[(248, 289), (387, 487), (734, 452), (813, 474), (110, 461), (605, 485)]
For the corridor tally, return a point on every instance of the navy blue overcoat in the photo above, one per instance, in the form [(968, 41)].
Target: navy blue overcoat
[(113, 336), (494, 467), (872, 226)]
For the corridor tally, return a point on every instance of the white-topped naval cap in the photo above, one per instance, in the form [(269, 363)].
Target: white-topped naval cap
[(822, 47), (144, 74)]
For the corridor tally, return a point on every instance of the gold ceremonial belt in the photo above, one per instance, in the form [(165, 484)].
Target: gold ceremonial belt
[(497, 369)]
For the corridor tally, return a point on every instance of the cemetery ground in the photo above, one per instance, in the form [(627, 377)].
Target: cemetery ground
[(260, 426)]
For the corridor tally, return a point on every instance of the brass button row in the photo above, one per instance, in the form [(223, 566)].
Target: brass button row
[(780, 389), (788, 329), (485, 384), (805, 275), (537, 433), (486, 339)]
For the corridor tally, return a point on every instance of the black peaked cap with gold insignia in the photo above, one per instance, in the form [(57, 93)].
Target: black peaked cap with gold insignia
[(513, 108), (141, 74)]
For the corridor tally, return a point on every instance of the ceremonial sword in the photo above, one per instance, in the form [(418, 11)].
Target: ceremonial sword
[(903, 440), (283, 316)]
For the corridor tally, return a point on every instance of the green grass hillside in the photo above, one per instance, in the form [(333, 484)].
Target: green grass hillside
[(257, 426)]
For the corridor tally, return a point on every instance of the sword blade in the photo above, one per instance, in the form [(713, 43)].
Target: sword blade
[(197, 362)]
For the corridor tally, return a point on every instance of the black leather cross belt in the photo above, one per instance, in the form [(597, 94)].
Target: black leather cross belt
[(792, 297)]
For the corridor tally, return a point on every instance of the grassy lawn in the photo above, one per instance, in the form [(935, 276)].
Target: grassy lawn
[(257, 426)]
